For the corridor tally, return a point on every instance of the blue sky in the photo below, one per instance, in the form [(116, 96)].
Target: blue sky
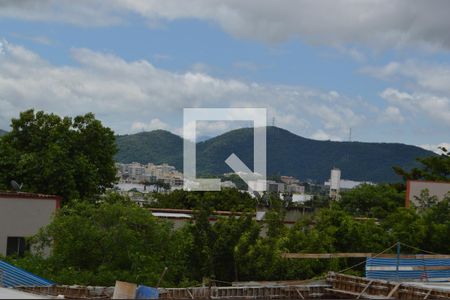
[(319, 67)]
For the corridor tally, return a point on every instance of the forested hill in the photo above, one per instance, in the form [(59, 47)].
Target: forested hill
[(158, 146), (287, 154)]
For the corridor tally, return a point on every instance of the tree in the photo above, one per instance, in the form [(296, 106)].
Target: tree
[(228, 231), (227, 199), (437, 220), (425, 200), (375, 201), (111, 240), (72, 158), (436, 168), (407, 226), (203, 237)]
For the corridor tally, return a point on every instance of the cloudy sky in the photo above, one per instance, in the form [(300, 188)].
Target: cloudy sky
[(380, 67)]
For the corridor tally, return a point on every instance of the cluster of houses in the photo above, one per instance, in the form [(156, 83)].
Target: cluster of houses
[(137, 173)]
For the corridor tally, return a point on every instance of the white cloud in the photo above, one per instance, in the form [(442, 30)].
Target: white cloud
[(127, 94), (208, 129), (351, 52), (421, 76), (323, 136), (382, 23), (40, 39), (386, 72), (200, 67), (80, 13), (436, 147), (421, 104), (392, 114), (425, 93), (152, 125)]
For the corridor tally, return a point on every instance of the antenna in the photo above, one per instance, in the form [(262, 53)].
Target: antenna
[(350, 134), (16, 186), (273, 121)]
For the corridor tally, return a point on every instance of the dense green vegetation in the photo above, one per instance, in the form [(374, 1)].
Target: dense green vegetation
[(227, 199), (158, 146), (98, 239), (72, 158), (435, 168), (117, 240), (287, 154), (375, 201)]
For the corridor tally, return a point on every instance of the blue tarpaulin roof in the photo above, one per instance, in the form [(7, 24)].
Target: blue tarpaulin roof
[(11, 276), (409, 269)]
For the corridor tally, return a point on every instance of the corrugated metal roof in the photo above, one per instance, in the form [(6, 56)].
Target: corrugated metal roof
[(191, 212), (12, 276), (409, 269), (171, 215)]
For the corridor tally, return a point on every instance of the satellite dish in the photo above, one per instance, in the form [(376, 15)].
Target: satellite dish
[(16, 186)]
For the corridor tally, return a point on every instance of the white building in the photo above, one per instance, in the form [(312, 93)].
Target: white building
[(138, 173), (335, 180), (301, 198), (136, 170), (295, 189), (337, 184), (289, 180), (21, 216)]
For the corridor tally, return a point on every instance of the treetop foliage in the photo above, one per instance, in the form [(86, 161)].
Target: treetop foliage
[(435, 168), (114, 239), (69, 157)]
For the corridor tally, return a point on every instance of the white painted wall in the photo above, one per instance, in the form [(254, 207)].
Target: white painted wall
[(23, 217)]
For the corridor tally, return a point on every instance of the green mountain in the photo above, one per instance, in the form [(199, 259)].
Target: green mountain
[(287, 154), (3, 132), (158, 146)]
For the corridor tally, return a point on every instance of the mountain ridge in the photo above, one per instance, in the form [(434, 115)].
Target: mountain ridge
[(287, 154)]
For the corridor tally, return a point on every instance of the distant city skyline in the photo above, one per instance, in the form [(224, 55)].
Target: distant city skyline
[(319, 67)]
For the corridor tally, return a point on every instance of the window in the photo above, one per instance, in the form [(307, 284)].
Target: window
[(15, 246)]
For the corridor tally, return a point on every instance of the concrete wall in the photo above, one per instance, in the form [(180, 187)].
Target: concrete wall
[(23, 217), (415, 187)]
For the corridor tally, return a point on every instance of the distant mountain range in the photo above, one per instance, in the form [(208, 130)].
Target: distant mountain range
[(287, 154), (3, 132)]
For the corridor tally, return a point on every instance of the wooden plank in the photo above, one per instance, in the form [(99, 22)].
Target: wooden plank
[(351, 285), (394, 289), (365, 289), (427, 295), (190, 294), (299, 293), (348, 293)]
